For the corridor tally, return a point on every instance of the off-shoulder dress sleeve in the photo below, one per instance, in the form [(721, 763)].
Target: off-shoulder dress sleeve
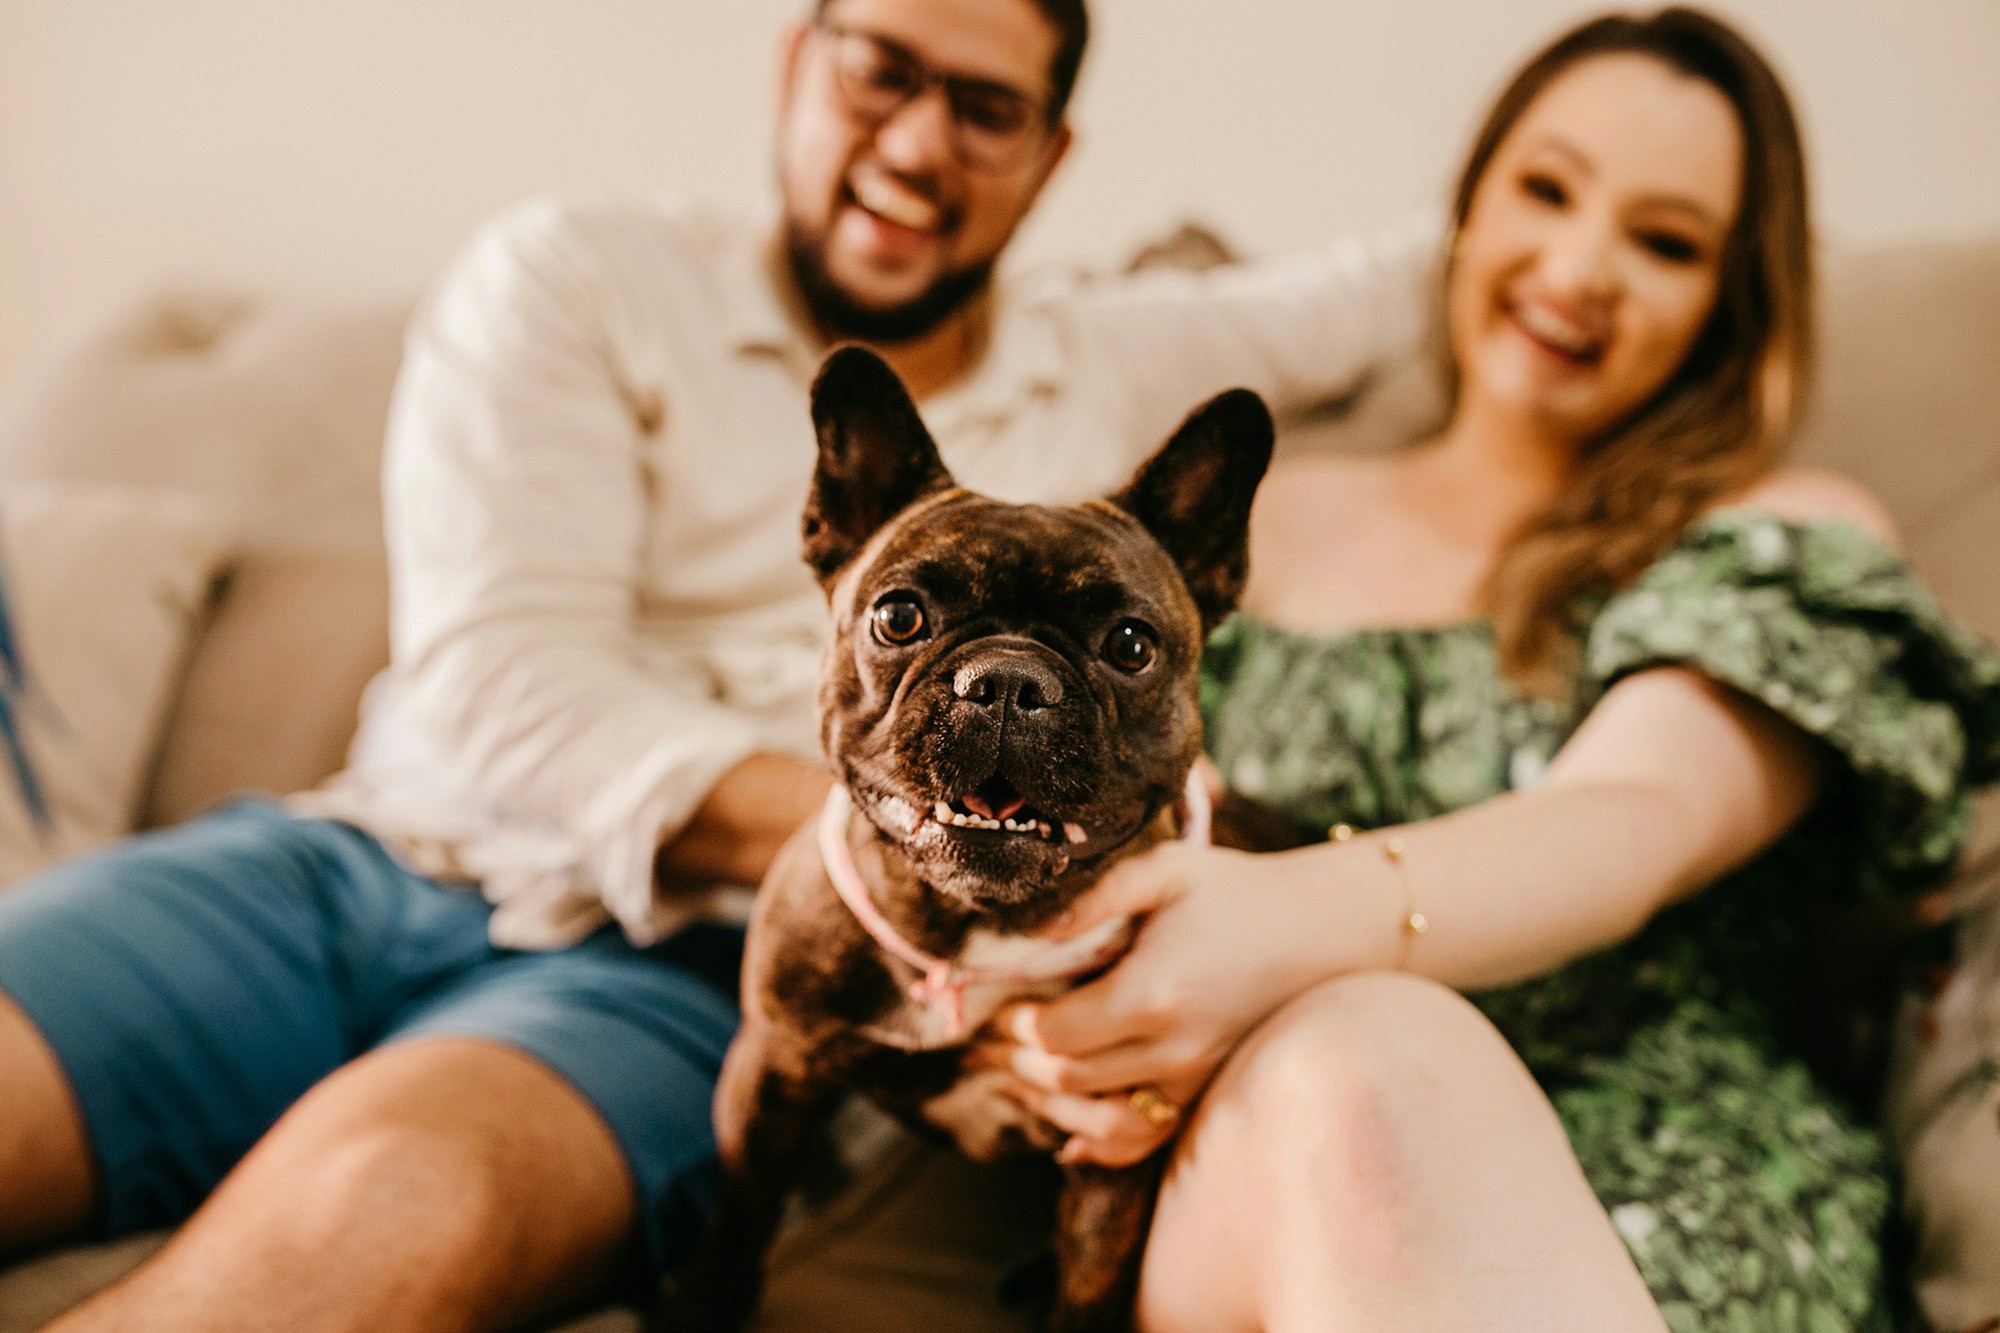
[(1831, 630)]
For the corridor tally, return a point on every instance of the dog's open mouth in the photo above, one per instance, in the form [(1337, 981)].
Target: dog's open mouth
[(996, 807)]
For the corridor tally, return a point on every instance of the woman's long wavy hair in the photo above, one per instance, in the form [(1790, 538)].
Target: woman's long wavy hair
[(1724, 418)]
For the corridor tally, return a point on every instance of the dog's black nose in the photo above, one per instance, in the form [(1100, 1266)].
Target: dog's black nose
[(1013, 679)]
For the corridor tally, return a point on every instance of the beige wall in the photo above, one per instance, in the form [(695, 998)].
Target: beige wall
[(337, 148)]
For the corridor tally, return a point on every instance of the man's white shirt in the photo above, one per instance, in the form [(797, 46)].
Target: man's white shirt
[(596, 461)]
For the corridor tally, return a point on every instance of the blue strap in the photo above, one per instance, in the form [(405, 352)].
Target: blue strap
[(14, 689)]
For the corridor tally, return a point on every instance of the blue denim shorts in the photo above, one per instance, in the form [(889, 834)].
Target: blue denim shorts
[(194, 983)]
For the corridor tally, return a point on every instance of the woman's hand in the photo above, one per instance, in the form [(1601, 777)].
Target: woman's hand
[(1225, 938)]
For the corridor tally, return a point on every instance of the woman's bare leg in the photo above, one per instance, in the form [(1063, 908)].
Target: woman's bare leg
[(1375, 1158), (47, 1180), (433, 1185)]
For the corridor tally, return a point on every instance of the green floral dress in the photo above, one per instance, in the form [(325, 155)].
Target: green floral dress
[(1750, 1195)]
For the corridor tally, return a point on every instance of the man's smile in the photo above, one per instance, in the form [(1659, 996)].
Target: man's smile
[(892, 201)]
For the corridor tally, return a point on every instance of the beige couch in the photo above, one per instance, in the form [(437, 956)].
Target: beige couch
[(276, 414)]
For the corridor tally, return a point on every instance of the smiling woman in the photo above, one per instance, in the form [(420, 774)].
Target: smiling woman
[(1589, 705), (1662, 163)]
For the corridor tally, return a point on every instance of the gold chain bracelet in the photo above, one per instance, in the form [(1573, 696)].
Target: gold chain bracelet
[(1415, 924)]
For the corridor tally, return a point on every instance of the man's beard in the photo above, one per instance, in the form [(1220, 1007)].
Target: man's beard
[(839, 317)]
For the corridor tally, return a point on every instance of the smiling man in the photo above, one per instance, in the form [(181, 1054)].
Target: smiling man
[(397, 1102), (896, 214)]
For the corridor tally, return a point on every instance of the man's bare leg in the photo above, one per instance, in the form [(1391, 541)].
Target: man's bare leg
[(433, 1185), (47, 1180), (1375, 1158)]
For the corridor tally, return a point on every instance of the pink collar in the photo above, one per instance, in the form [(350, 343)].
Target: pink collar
[(941, 980)]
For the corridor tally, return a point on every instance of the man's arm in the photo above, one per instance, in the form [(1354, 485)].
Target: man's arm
[(516, 509), (1302, 330), (748, 815)]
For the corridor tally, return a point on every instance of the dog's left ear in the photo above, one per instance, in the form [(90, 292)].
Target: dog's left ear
[(875, 457), (1194, 497)]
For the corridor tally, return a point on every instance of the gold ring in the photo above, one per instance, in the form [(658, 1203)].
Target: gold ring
[(1151, 1103)]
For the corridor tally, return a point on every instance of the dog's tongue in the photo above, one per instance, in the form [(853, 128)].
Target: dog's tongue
[(979, 805)]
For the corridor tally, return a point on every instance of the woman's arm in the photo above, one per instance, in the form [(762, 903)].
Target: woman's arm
[(1671, 781)]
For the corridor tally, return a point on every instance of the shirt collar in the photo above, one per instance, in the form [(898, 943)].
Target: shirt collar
[(1024, 360), (1025, 356)]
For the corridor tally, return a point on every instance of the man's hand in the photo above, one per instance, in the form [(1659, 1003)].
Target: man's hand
[(745, 820)]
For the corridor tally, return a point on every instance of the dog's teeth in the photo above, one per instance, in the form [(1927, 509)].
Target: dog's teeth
[(944, 814), (1074, 832)]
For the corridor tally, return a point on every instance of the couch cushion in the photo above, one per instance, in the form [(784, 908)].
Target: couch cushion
[(1908, 404), (104, 588), (271, 698), (34, 1293), (274, 415)]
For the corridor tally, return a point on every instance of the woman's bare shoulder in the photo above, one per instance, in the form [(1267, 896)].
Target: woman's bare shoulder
[(1807, 495)]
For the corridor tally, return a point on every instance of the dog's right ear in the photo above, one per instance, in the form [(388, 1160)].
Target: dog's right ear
[(875, 457)]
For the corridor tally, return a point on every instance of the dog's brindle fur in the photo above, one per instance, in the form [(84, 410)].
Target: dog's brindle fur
[(1010, 678)]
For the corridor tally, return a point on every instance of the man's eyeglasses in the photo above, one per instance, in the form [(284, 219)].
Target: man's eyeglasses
[(994, 127)]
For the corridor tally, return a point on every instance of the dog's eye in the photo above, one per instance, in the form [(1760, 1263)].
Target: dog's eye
[(1131, 646), (898, 619)]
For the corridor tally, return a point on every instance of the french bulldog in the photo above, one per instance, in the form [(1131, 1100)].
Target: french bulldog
[(1009, 702)]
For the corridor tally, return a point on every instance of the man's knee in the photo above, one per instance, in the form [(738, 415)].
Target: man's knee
[(47, 1180), (469, 1156), (432, 1193)]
